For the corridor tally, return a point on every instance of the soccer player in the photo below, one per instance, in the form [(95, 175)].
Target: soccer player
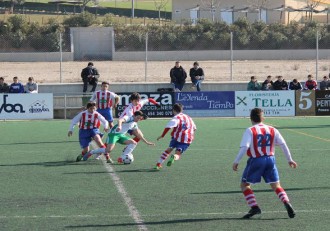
[(105, 101), (182, 136), (118, 134), (88, 128), (136, 104), (259, 143)]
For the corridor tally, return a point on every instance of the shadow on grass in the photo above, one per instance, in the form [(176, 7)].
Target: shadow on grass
[(39, 142), (182, 221), (117, 171), (267, 190), (47, 164)]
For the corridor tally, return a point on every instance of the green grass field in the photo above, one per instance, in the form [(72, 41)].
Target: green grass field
[(43, 188)]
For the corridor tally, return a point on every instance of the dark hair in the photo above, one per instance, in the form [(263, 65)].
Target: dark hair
[(15, 77), (256, 115), (269, 76), (196, 63), (295, 80), (177, 107), (138, 113), (90, 104), (30, 78), (105, 82), (253, 77), (90, 64), (309, 76), (2, 78), (135, 96)]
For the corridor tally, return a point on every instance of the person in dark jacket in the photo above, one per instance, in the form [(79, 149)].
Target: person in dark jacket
[(295, 85), (178, 76), (197, 76), (4, 88), (90, 76), (280, 84), (16, 86), (267, 85)]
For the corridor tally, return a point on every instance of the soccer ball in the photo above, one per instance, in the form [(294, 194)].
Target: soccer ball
[(128, 159)]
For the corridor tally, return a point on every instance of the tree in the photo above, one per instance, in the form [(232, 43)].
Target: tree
[(85, 2), (258, 4), (160, 4), (15, 2), (311, 6), (211, 5)]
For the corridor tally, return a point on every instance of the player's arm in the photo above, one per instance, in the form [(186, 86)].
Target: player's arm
[(244, 146), (93, 98), (74, 121), (154, 102), (117, 98), (279, 140), (120, 123), (104, 122), (171, 124)]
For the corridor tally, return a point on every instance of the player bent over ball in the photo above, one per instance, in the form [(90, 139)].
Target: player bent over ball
[(88, 128), (118, 135)]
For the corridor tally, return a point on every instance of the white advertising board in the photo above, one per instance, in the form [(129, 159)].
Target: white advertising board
[(26, 106), (274, 103)]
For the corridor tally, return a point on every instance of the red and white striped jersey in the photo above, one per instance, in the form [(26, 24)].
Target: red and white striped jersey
[(88, 120), (104, 99), (130, 109), (183, 128), (261, 139)]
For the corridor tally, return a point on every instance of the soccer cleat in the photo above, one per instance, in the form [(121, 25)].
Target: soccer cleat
[(109, 161), (253, 211), (120, 160), (170, 161), (158, 166), (290, 210), (79, 157), (86, 156)]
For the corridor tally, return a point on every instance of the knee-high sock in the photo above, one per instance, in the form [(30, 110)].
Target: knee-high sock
[(250, 198), (282, 195), (97, 151), (163, 157), (129, 149)]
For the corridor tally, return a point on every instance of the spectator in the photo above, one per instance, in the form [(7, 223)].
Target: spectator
[(197, 76), (16, 87), (4, 88), (253, 85), (90, 76), (178, 76), (31, 86), (280, 84), (310, 84), (295, 85), (267, 84), (325, 83)]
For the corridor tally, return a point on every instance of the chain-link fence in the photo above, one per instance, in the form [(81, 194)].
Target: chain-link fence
[(223, 56)]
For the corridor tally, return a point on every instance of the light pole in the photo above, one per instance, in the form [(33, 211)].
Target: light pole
[(132, 8)]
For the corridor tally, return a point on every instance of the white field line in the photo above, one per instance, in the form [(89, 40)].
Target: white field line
[(159, 215), (134, 213)]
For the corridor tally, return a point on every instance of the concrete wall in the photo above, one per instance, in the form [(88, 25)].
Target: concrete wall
[(222, 55), (92, 43), (36, 57)]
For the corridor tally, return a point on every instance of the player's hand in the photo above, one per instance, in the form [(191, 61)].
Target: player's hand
[(293, 164), (106, 130), (118, 129), (158, 106), (159, 138), (69, 133), (235, 167), (150, 143)]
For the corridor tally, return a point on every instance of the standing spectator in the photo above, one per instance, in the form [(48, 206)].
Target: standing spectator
[(253, 85), (16, 87), (31, 86), (325, 83), (280, 84), (178, 76), (310, 84), (295, 85), (267, 85), (197, 76), (4, 88), (258, 142), (90, 76)]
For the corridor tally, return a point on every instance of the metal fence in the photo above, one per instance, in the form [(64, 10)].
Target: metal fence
[(224, 58)]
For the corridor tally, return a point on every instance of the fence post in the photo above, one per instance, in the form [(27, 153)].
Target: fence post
[(61, 57), (146, 60), (231, 56), (65, 106), (317, 55)]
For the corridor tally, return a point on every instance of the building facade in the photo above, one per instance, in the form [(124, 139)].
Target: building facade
[(269, 11)]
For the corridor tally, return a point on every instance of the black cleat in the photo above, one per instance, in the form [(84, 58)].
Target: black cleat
[(290, 210), (253, 211)]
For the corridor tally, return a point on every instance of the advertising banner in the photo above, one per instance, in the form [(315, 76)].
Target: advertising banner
[(207, 103), (26, 106), (274, 103), (322, 103), (305, 103), (165, 99)]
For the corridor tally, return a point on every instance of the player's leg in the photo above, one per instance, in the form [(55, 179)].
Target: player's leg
[(137, 133), (131, 145), (271, 177), (163, 157), (84, 141), (180, 149), (252, 175), (100, 146)]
